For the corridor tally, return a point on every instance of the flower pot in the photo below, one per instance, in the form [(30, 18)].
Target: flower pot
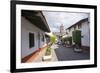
[(47, 57), (77, 50)]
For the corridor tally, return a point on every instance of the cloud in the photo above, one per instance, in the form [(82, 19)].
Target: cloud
[(55, 19)]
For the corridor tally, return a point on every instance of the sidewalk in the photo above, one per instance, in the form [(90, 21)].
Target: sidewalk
[(42, 53)]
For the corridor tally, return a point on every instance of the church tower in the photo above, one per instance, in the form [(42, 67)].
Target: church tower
[(62, 31)]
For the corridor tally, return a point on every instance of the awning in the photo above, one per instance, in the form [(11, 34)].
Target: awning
[(38, 21)]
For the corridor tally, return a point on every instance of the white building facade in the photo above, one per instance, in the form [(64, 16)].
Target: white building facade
[(32, 37), (84, 26)]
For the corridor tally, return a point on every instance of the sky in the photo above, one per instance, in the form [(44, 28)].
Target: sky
[(56, 19)]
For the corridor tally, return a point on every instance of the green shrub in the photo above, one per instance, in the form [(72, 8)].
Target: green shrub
[(53, 39), (48, 51), (69, 39), (76, 36)]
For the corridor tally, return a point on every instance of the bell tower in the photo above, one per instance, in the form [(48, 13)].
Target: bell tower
[(62, 30)]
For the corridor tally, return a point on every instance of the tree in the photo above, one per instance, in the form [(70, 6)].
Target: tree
[(67, 39), (53, 38), (52, 41)]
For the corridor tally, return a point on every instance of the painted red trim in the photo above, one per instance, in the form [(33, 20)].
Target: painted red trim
[(32, 55)]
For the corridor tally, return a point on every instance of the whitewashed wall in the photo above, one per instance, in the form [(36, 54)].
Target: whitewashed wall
[(42, 42), (85, 31), (86, 34), (70, 32), (27, 27)]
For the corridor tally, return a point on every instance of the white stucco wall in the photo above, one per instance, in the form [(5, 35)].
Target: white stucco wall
[(27, 27), (70, 32), (86, 34), (41, 36)]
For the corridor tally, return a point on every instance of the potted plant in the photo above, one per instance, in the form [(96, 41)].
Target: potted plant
[(48, 54), (76, 35)]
